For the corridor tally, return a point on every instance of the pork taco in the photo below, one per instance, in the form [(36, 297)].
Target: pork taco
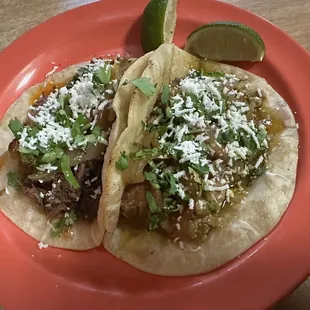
[(54, 140), (205, 168)]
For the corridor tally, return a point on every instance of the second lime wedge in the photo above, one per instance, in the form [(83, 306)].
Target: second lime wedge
[(226, 41)]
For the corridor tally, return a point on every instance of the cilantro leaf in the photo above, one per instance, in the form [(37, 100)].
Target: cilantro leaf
[(216, 74), (155, 219), (24, 150), (165, 94), (78, 124), (226, 136), (173, 186), (261, 135), (16, 127), (122, 163), (151, 177), (64, 100), (51, 156), (14, 180), (145, 85), (59, 225), (70, 218), (66, 170), (145, 153), (103, 75), (97, 130), (200, 169), (151, 202)]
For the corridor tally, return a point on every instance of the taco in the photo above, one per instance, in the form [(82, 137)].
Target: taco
[(205, 168), (54, 140)]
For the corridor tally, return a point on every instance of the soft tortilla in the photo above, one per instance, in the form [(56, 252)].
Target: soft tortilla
[(244, 224), (25, 212)]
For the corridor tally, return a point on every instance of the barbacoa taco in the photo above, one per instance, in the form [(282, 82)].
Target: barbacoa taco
[(205, 168), (54, 139)]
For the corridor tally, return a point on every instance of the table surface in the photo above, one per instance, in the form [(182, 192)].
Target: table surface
[(18, 16)]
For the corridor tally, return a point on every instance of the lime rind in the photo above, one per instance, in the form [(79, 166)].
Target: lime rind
[(158, 23), (227, 27)]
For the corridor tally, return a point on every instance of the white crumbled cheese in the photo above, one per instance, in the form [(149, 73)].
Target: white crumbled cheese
[(180, 133), (47, 167), (225, 90), (177, 225), (93, 179), (41, 195), (179, 174), (7, 191), (191, 204), (201, 138), (180, 189), (42, 245), (216, 188), (191, 151), (196, 249), (259, 161)]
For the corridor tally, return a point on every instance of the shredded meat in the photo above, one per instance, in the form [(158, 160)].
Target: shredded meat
[(55, 194)]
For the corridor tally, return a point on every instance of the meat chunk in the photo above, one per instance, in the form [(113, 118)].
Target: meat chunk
[(134, 206)]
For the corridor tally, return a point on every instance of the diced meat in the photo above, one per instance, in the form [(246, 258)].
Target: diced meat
[(13, 149), (134, 206)]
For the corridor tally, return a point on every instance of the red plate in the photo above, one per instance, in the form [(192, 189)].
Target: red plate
[(57, 279)]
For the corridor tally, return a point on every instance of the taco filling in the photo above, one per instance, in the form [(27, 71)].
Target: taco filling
[(208, 141), (61, 145)]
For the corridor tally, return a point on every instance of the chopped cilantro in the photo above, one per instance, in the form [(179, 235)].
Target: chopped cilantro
[(155, 219), (173, 187), (151, 202), (168, 112), (66, 170), (226, 136), (64, 101), (103, 75), (122, 163), (78, 124), (25, 150), (151, 177), (165, 94), (16, 127), (201, 170), (65, 221), (216, 74), (145, 86), (213, 206), (52, 155), (261, 135), (145, 153), (14, 180)]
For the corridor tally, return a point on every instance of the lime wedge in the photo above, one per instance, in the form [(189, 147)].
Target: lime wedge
[(226, 41), (158, 23)]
